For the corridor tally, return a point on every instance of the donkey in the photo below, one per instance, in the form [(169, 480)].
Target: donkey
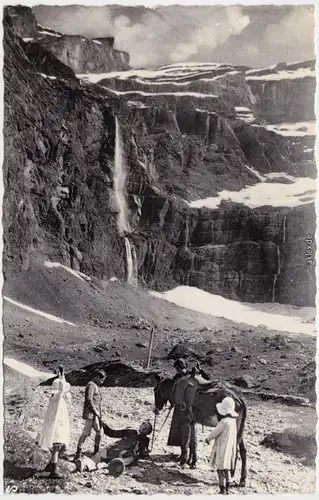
[(208, 394)]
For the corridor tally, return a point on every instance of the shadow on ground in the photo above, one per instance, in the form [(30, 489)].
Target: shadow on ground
[(164, 474)]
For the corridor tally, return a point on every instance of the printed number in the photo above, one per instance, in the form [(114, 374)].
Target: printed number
[(11, 488)]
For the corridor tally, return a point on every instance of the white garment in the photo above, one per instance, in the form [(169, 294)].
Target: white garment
[(56, 425), (223, 455)]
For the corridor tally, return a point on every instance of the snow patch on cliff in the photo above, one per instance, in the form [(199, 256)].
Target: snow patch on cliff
[(179, 94), (49, 33), (283, 75), (295, 129), (47, 76)]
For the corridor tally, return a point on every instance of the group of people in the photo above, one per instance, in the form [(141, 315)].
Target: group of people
[(55, 434), (224, 435)]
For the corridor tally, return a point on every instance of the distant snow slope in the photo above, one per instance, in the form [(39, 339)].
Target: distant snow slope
[(293, 129), (77, 274), (300, 192), (25, 369), (275, 316), (38, 312)]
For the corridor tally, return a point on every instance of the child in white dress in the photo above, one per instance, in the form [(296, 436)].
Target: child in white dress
[(55, 433), (224, 450)]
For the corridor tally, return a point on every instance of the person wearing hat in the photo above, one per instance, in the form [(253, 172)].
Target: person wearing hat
[(183, 425), (126, 451), (181, 368), (92, 412), (224, 450)]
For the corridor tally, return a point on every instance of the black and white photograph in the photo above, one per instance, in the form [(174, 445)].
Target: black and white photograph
[(159, 248)]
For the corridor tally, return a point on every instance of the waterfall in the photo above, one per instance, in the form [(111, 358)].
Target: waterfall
[(120, 182), (190, 271), (131, 262), (276, 275), (186, 234), (284, 229), (121, 202)]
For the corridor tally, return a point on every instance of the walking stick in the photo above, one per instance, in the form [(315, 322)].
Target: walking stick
[(168, 414), (154, 427)]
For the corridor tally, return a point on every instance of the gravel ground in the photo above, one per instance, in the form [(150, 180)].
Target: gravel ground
[(269, 471)]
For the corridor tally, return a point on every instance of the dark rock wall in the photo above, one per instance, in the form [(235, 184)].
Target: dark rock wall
[(285, 100)]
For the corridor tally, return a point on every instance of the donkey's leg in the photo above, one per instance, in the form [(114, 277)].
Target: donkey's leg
[(243, 456), (190, 444), (193, 447)]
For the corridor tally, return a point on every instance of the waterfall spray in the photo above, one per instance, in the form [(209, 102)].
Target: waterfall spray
[(131, 261), (120, 182), (121, 202), (276, 275)]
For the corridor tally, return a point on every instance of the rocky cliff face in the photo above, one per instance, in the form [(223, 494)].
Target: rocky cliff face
[(82, 55), (64, 196), (285, 93)]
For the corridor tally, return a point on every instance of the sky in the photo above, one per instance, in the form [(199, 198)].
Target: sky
[(254, 36)]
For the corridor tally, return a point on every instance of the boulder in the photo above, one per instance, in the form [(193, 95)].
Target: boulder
[(117, 374), (294, 442), (246, 381)]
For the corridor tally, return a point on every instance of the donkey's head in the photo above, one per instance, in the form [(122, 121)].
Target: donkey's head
[(162, 392)]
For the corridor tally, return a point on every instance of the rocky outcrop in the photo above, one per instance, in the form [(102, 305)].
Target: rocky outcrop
[(46, 63), (269, 151), (285, 93), (21, 20), (82, 55), (59, 201), (85, 56)]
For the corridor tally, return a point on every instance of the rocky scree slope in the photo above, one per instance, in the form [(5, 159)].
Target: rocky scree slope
[(59, 204)]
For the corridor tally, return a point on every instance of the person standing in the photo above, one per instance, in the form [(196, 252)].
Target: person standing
[(183, 393), (55, 432), (224, 450), (92, 413)]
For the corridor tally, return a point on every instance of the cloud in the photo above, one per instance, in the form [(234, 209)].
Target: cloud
[(214, 30), (162, 35), (296, 27), (175, 33)]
